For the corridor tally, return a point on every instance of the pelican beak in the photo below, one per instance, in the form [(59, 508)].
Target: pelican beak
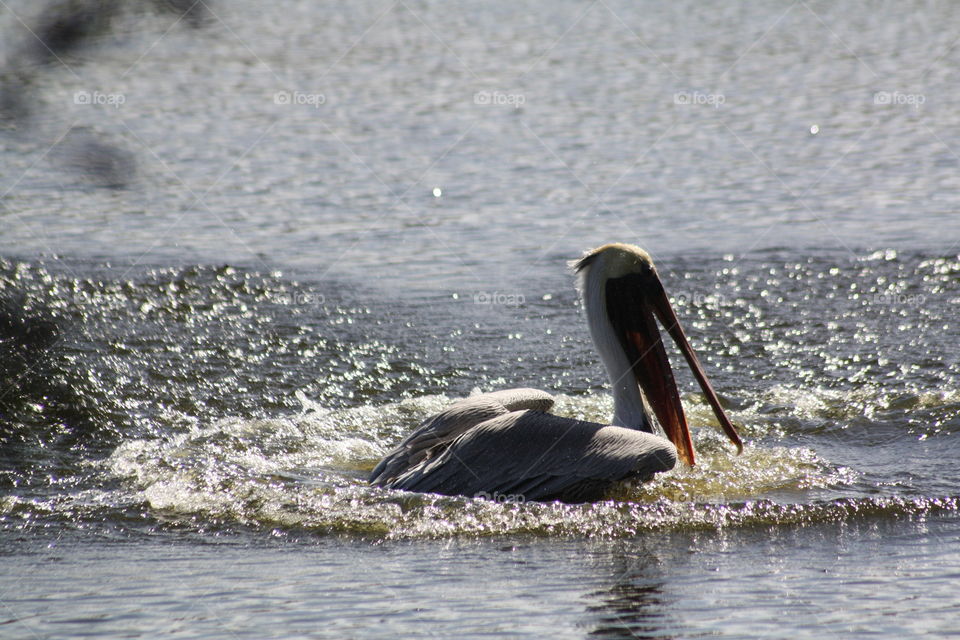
[(638, 299)]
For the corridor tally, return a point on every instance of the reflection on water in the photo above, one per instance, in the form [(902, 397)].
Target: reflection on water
[(873, 576), (634, 605)]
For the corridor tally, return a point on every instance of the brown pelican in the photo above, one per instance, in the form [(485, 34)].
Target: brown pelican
[(505, 445)]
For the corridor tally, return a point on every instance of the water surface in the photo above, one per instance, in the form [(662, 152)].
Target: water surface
[(302, 232)]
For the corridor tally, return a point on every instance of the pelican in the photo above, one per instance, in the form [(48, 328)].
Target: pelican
[(505, 444)]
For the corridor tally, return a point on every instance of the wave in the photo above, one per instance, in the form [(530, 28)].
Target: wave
[(307, 473)]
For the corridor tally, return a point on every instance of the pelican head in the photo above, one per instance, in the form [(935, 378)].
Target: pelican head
[(622, 294)]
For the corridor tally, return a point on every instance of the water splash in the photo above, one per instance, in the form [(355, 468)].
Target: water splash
[(306, 472)]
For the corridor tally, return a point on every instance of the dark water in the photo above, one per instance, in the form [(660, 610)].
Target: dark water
[(279, 241)]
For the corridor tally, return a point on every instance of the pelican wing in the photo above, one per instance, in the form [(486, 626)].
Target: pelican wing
[(530, 455), (438, 431)]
